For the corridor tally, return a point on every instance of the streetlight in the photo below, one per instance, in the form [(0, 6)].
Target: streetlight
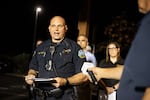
[(38, 9)]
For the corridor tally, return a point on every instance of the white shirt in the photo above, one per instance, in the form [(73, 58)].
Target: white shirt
[(90, 57)]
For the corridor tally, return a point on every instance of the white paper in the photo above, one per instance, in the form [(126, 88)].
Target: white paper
[(112, 96), (44, 79), (85, 66)]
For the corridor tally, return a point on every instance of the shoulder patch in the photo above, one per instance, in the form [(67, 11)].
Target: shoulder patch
[(81, 54)]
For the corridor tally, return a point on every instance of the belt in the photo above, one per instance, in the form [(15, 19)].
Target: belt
[(56, 92)]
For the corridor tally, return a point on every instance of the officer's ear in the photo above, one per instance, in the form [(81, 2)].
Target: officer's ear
[(66, 27)]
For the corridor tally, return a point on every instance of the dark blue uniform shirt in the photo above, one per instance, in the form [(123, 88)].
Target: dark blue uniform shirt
[(135, 76), (56, 60), (65, 59)]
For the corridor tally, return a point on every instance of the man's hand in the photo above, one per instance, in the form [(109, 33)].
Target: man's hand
[(59, 82), (29, 79), (96, 71)]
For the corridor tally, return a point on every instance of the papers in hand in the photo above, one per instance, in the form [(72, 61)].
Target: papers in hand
[(44, 80), (85, 66), (112, 96)]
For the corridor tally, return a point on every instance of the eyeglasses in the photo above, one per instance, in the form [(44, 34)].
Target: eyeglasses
[(58, 26), (113, 48)]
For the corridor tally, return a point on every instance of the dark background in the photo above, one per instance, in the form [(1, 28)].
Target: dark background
[(18, 17)]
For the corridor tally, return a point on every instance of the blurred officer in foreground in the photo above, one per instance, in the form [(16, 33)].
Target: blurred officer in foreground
[(134, 83), (59, 59)]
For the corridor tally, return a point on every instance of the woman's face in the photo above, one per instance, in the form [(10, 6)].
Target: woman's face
[(113, 50)]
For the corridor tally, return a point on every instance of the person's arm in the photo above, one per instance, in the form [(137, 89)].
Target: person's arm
[(108, 73), (146, 94), (77, 79), (73, 80)]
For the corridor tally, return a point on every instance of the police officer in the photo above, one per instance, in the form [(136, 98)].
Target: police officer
[(82, 40), (59, 59)]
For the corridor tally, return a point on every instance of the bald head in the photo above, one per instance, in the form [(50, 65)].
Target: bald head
[(57, 28), (57, 18)]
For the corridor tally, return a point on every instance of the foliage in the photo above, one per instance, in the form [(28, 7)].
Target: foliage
[(21, 61), (122, 30)]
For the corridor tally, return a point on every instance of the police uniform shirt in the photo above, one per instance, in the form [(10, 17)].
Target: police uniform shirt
[(65, 58)]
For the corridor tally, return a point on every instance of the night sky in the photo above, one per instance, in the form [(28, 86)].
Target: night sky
[(18, 17)]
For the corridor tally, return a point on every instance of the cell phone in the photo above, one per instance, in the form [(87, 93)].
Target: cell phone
[(94, 80)]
